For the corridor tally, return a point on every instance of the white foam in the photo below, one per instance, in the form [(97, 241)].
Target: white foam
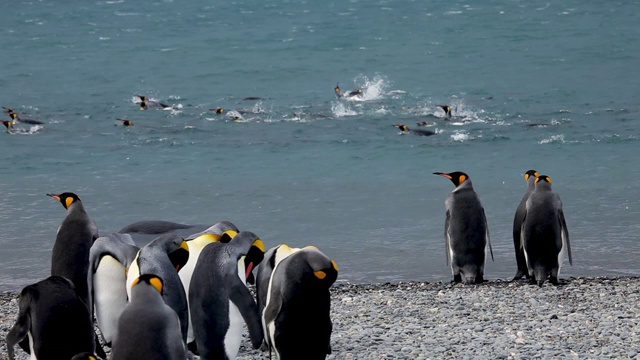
[(339, 110), (553, 139)]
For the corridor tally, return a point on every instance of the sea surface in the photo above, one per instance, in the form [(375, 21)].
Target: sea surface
[(551, 86)]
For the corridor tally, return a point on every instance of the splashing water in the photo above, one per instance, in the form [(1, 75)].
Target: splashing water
[(553, 139), (339, 110)]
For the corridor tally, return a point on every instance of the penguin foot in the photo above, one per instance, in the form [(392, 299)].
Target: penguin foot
[(553, 280), (519, 275), (457, 278), (479, 279)]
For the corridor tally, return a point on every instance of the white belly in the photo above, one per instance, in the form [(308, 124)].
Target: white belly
[(132, 274), (110, 295), (195, 248), (234, 334)]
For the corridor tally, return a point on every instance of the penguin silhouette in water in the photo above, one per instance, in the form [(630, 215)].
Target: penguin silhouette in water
[(145, 103), (294, 301), (544, 233), (148, 328), (466, 232), (53, 320), (420, 132), (8, 125), (530, 177), (219, 299), (352, 93), (218, 110), (126, 122), (446, 109), (16, 118)]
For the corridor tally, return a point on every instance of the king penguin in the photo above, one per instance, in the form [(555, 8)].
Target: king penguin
[(109, 260), (75, 236), (466, 232), (530, 177), (296, 317), (544, 233), (220, 300), (145, 231), (164, 257), (148, 328), (223, 231), (54, 320)]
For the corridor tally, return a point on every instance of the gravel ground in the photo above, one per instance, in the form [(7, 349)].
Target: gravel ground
[(583, 318)]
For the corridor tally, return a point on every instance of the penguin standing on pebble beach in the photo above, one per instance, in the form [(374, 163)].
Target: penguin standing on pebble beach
[(530, 177), (466, 231), (544, 233)]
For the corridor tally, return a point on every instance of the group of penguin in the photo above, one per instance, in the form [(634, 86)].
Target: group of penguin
[(540, 234), (164, 290)]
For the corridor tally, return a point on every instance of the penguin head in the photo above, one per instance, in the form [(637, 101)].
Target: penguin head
[(337, 89), (180, 256), (152, 280), (7, 124), (66, 199), (423, 123), (323, 268), (143, 102), (402, 127), (530, 173), (126, 122), (446, 109), (218, 110), (253, 258), (543, 181), (456, 177)]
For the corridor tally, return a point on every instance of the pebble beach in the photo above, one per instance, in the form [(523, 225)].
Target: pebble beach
[(582, 318)]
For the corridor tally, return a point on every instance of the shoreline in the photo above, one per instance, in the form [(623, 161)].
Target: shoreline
[(583, 318)]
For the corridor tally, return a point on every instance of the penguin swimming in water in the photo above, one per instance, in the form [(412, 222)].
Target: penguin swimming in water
[(109, 261), (148, 328), (530, 177), (15, 118), (145, 103), (223, 231), (75, 236), (420, 132), (164, 257), (52, 318), (356, 92), (446, 109), (466, 232), (8, 125), (126, 122), (219, 299), (218, 110), (544, 233), (296, 315)]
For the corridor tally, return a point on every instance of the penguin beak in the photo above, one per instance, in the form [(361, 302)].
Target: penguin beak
[(443, 175), (55, 196)]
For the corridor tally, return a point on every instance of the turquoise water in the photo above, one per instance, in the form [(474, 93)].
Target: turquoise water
[(303, 167)]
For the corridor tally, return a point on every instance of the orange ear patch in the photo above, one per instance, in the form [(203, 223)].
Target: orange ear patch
[(68, 201), (462, 178)]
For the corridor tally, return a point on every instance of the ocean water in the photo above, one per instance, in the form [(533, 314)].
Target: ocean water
[(533, 85)]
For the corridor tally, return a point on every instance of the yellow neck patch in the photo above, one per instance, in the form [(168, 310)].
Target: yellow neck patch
[(334, 264), (259, 244), (156, 283), (68, 201)]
